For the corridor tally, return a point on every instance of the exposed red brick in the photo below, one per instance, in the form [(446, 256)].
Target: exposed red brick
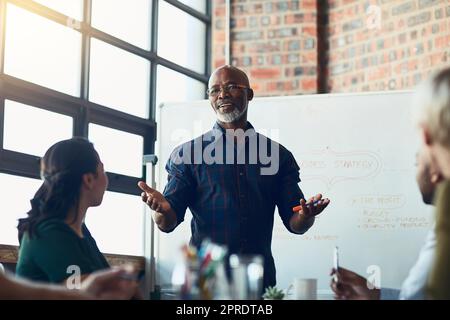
[(309, 85), (309, 57), (310, 30), (256, 86), (437, 59), (219, 36), (219, 11), (241, 23), (272, 86), (308, 5), (411, 49), (395, 55), (219, 62), (260, 73)]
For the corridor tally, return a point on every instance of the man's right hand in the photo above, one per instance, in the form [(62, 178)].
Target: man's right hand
[(164, 216), (109, 284), (352, 286), (154, 199)]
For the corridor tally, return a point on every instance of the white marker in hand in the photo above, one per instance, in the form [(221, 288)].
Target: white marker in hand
[(335, 262)]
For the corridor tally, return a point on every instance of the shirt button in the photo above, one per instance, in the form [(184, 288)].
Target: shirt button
[(241, 173), (242, 196)]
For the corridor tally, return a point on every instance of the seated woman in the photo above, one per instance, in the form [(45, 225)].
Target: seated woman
[(54, 241)]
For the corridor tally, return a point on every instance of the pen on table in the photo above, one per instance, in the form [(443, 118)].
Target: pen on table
[(314, 203)]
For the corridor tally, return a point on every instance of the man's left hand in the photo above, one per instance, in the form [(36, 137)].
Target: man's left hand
[(314, 206)]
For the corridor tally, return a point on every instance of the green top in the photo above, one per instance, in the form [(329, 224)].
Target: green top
[(53, 249)]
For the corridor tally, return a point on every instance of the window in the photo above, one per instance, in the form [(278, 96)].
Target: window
[(130, 22), (117, 224), (173, 87), (46, 128), (120, 152), (97, 69), (199, 5), (41, 51), (189, 33), (72, 8), (119, 79), (14, 204)]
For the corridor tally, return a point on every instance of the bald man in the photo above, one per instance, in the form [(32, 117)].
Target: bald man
[(231, 178)]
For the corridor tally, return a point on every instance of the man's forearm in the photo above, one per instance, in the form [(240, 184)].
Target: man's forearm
[(55, 292), (299, 223), (23, 290)]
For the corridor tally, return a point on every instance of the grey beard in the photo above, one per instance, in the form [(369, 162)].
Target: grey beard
[(231, 116)]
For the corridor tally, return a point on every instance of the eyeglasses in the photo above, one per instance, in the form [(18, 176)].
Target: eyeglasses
[(231, 88)]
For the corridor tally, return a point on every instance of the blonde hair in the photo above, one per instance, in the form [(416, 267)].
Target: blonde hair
[(432, 102)]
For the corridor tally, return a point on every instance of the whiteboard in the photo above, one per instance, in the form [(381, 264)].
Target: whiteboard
[(356, 149)]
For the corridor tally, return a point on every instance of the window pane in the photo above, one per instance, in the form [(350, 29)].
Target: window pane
[(41, 51), (14, 204), (43, 128), (72, 8), (117, 225), (119, 79), (173, 86), (127, 20), (199, 5), (188, 49), (125, 160)]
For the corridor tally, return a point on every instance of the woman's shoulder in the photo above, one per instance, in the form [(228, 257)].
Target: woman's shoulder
[(52, 224), (50, 230)]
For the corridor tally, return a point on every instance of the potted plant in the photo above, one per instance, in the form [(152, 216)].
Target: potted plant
[(273, 293)]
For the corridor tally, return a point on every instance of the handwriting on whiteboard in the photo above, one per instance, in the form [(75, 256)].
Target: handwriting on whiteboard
[(332, 167)]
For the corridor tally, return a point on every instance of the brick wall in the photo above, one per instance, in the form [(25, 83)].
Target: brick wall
[(374, 44), (274, 42), (386, 44), (218, 34)]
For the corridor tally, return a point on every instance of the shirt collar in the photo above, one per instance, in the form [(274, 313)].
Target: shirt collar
[(217, 126)]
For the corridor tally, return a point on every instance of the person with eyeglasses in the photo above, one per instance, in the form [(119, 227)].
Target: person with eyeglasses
[(232, 192)]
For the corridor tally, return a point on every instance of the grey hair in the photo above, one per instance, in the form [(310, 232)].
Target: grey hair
[(432, 106)]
